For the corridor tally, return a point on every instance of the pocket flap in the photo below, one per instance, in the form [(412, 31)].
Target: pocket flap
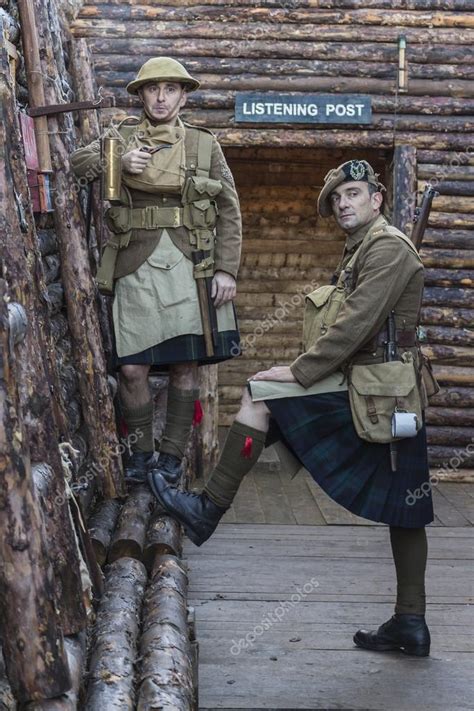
[(166, 255), (319, 296), (395, 379), (201, 204)]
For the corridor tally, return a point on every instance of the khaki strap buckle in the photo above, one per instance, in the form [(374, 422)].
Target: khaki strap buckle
[(203, 269)]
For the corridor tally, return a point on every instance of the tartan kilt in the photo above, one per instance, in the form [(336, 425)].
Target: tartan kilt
[(184, 349), (319, 431)]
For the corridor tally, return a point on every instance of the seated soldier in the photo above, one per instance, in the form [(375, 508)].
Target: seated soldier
[(306, 405)]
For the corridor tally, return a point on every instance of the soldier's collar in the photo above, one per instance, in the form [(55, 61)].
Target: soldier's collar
[(356, 237)]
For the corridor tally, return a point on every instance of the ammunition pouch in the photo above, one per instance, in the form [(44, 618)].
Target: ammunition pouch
[(378, 391), (199, 208)]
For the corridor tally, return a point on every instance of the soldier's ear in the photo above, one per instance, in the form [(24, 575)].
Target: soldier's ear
[(377, 200)]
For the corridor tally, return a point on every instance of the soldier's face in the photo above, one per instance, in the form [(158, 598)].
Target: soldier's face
[(163, 100), (353, 206)]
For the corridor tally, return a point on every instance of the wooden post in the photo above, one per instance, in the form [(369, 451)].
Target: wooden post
[(404, 187), (79, 288), (35, 80)]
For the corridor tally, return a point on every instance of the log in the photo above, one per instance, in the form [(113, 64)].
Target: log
[(448, 258), (47, 242), (129, 537), (457, 355), (75, 650), (279, 14), (101, 527), (448, 239), (452, 436), (33, 642), (447, 316), (280, 31), (438, 296), (451, 220), (163, 537), (79, 288), (55, 297), (111, 669), (62, 549), (453, 375), (51, 265), (453, 397), (450, 458), (36, 93), (446, 335), (450, 416), (449, 277), (451, 203), (165, 675), (456, 187), (58, 326)]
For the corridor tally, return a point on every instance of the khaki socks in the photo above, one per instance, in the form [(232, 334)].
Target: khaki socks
[(140, 427), (242, 448), (410, 551), (179, 418)]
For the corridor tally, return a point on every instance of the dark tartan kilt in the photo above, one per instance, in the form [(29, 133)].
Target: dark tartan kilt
[(184, 349), (318, 429)]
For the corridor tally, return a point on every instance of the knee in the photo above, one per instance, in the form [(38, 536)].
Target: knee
[(184, 375), (133, 375)]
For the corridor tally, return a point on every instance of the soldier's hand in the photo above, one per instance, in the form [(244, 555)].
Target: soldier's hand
[(281, 373), (223, 288), (135, 161)]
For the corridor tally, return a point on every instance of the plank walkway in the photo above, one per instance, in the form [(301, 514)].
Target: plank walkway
[(287, 579)]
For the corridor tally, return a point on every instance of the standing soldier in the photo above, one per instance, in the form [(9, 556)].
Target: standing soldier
[(172, 259), (332, 406)]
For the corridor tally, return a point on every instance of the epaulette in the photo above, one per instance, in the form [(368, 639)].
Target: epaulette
[(198, 128)]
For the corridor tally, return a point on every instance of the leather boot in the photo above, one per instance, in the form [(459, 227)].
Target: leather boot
[(169, 466), (136, 466), (198, 514), (405, 633)]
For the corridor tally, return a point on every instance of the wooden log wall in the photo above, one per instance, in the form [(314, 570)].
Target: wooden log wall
[(331, 46)]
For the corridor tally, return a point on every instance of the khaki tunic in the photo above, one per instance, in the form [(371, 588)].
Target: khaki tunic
[(387, 275)]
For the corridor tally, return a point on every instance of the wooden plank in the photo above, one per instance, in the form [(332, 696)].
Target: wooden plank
[(303, 505), (447, 513), (247, 506), (273, 498), (334, 575), (333, 512), (258, 530), (461, 497)]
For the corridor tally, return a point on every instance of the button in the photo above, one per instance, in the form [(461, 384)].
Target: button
[(165, 199), (168, 266), (193, 165)]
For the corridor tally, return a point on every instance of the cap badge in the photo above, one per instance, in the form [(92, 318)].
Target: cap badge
[(357, 169)]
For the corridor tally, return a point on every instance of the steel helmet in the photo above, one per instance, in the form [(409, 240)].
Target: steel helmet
[(162, 69)]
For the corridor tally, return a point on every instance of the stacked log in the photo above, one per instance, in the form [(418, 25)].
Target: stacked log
[(447, 315), (111, 670), (166, 671)]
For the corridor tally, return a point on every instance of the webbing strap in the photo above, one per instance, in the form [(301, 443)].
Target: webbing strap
[(204, 154)]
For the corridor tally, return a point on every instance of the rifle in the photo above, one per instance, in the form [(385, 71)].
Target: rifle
[(208, 312), (422, 213)]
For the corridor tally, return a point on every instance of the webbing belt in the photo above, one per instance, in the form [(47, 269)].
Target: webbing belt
[(152, 217)]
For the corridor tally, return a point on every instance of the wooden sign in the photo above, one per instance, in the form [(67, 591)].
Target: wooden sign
[(252, 107)]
